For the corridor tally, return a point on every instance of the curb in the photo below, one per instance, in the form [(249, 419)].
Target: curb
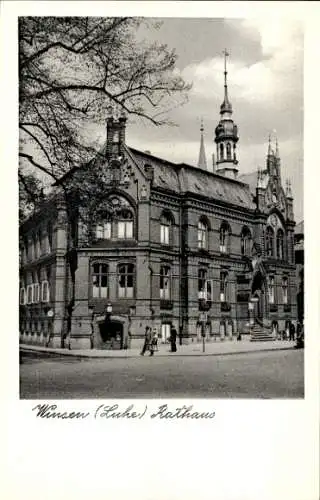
[(202, 354)]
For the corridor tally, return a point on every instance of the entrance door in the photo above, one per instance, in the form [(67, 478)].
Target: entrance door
[(112, 333), (165, 332)]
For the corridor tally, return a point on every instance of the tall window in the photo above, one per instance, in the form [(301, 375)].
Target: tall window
[(202, 279), (40, 238), (22, 296), (125, 225), (269, 242), (223, 286), (99, 281), (221, 151), (229, 157), (202, 234), (125, 281), (271, 290), (165, 283), (280, 244), (165, 229), (45, 292), (285, 299), (103, 231), (49, 236), (224, 238), (246, 242), (35, 246)]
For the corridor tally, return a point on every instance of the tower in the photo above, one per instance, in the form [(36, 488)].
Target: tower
[(202, 162), (226, 135)]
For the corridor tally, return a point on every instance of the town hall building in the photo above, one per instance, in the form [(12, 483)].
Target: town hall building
[(196, 247)]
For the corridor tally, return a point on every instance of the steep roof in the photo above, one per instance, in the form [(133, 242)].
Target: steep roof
[(299, 229), (250, 178), (183, 177)]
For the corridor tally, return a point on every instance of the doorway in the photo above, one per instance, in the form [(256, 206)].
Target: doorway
[(165, 332), (111, 333)]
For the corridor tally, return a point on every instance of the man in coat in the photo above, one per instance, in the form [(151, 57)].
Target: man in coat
[(173, 339), (147, 340)]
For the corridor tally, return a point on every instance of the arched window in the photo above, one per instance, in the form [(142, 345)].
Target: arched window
[(221, 151), (49, 237), (202, 280), (285, 290), (99, 280), (269, 241), (126, 281), (280, 244), (246, 242), (166, 220), (229, 156), (35, 246), (115, 220), (165, 283), (203, 234), (223, 286), (225, 238), (271, 293)]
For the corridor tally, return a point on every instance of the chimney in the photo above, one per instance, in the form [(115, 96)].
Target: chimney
[(116, 135)]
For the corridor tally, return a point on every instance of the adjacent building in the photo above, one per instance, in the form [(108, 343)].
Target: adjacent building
[(207, 251)]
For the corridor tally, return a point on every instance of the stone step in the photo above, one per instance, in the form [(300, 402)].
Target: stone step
[(260, 334)]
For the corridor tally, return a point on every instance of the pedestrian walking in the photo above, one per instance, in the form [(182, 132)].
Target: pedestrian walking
[(147, 340), (154, 340), (292, 331), (173, 339)]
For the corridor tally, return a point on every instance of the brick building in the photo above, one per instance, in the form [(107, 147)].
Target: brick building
[(171, 244)]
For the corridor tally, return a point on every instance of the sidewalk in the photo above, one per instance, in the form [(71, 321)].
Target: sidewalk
[(194, 349)]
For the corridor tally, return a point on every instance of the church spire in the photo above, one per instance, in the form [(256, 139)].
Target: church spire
[(226, 105), (226, 134), (269, 146), (202, 162)]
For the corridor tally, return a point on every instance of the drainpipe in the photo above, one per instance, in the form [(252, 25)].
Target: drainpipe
[(150, 306)]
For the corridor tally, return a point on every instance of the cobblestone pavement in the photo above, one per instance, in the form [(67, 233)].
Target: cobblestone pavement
[(263, 374)]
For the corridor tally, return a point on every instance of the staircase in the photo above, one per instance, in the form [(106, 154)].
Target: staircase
[(260, 333)]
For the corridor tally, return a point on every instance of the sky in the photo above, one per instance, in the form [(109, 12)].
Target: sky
[(265, 83)]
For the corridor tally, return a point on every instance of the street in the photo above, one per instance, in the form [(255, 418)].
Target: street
[(278, 374)]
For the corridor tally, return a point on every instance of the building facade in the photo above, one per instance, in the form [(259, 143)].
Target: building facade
[(299, 260), (169, 244)]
